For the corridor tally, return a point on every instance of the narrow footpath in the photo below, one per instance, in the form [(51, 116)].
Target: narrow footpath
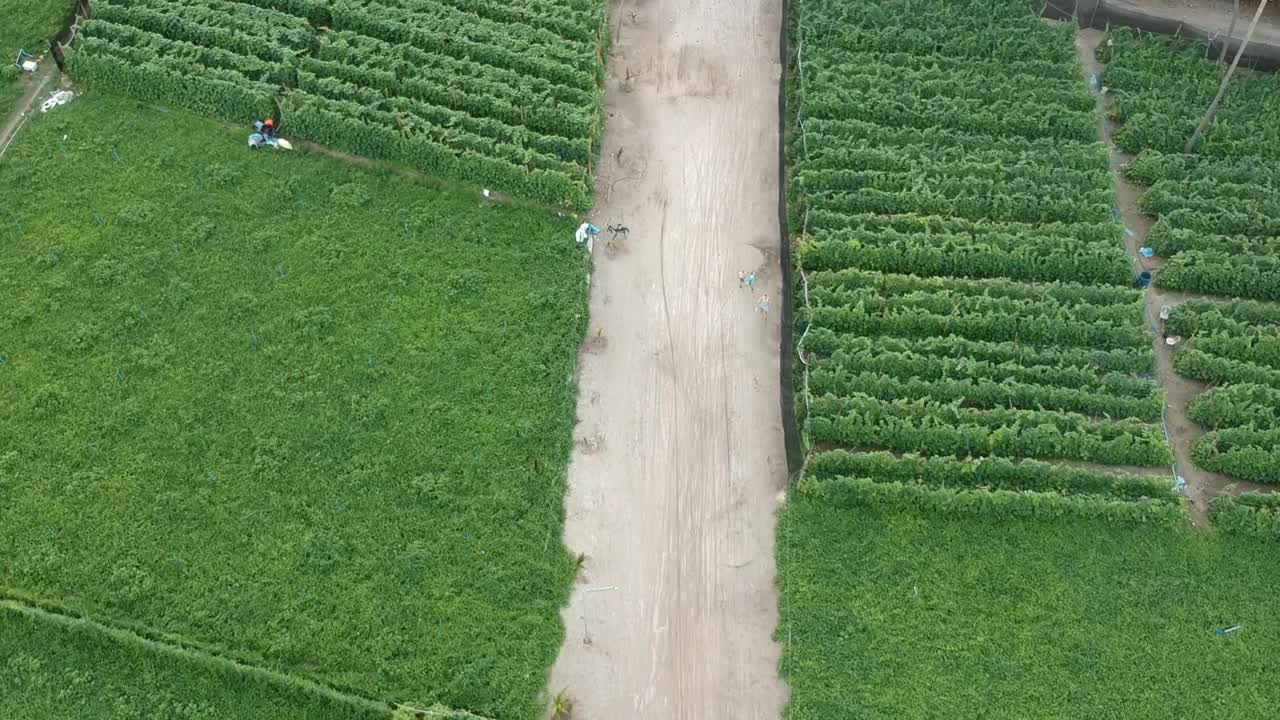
[(1182, 431), (679, 463)]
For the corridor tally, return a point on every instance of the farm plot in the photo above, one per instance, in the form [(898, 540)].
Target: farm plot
[(1218, 210), (310, 416), (72, 670), (1234, 346), (906, 615), (964, 292), (490, 95)]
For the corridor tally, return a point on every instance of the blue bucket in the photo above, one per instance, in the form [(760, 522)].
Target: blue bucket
[(1144, 279)]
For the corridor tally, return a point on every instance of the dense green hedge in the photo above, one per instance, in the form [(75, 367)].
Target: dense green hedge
[(860, 492), (988, 473), (1244, 453), (1244, 516)]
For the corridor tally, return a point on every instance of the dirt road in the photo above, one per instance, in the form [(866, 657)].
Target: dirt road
[(680, 463)]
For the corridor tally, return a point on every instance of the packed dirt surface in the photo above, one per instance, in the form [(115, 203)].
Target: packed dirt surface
[(1182, 431), (46, 77), (1213, 16), (679, 464)]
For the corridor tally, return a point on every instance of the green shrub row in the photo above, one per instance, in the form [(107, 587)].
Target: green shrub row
[(1243, 453), (850, 289), (1068, 232), (1063, 293), (997, 117), (1166, 241), (901, 359), (872, 76), (819, 133), (223, 94), (350, 127), (839, 379), (931, 428), (958, 257), (995, 178), (994, 504), (259, 38), (1236, 515), (1222, 273), (963, 199), (1152, 166), (1236, 405), (1197, 315), (441, 87), (819, 341), (988, 473), (817, 151), (918, 322), (452, 126), (511, 48), (1199, 365)]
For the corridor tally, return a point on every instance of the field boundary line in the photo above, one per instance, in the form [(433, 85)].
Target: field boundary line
[(189, 651)]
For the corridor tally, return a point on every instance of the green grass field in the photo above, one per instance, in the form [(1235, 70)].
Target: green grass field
[(55, 670), (30, 24), (312, 414), (1021, 619)]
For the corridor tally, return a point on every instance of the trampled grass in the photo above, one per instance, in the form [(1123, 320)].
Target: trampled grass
[(310, 413), (895, 615)]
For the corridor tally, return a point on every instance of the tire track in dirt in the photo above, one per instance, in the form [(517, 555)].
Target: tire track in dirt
[(675, 508)]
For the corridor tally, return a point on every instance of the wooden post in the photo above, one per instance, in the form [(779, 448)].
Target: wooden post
[(1222, 88)]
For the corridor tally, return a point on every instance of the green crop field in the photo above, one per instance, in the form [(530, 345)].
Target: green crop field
[(311, 415), (71, 670), (30, 24), (905, 616), (1218, 209), (963, 290), (974, 534), (1217, 230), (493, 94)]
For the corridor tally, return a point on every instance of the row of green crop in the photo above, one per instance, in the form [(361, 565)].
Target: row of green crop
[(457, 84), (931, 428), (996, 117), (988, 473), (1195, 316), (967, 198), (512, 48), (1167, 241), (820, 341), (907, 321), (130, 44), (1237, 405), (1222, 273), (379, 134), (1152, 166), (451, 126), (1242, 452), (868, 355), (1248, 514), (998, 177), (1064, 294), (248, 35), (957, 256), (1199, 365), (843, 380), (940, 140), (1067, 233), (995, 504), (834, 152), (220, 93), (866, 76), (1209, 206)]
